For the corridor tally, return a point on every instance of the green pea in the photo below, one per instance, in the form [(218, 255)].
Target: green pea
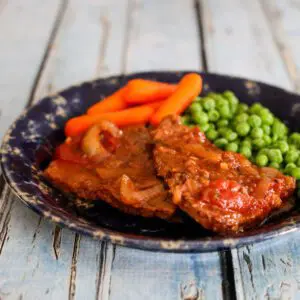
[(296, 173), (261, 160), (204, 127), (230, 94), (222, 123), (295, 139), (200, 118), (275, 155), (195, 108), (278, 129), (246, 143), (220, 101), (246, 151), (258, 143), (266, 129), (211, 134), (232, 100), (291, 156), (224, 111), (243, 117), (223, 131), (266, 117), (264, 151), (212, 126), (289, 167), (282, 146), (198, 99), (208, 103), (242, 107), (221, 142), (214, 96), (242, 129), (255, 108), (232, 147), (274, 164), (254, 121), (257, 133), (267, 139), (213, 115), (230, 135), (293, 147), (186, 120)]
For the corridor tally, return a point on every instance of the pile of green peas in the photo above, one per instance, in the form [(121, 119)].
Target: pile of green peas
[(252, 131)]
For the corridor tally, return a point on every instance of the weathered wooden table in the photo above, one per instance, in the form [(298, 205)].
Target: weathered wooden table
[(48, 45)]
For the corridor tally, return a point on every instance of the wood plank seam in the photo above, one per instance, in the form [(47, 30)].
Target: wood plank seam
[(107, 256), (61, 12), (199, 17), (72, 281), (106, 28), (4, 219), (275, 28), (130, 10), (56, 241), (5, 215), (10, 196), (226, 263)]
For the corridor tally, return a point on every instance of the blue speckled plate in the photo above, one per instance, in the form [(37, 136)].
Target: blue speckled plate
[(29, 143)]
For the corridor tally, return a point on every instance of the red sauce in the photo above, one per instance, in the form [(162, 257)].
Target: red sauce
[(228, 194)]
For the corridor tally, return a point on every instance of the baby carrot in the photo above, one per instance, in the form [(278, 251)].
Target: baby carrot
[(140, 91), (114, 102), (130, 116), (188, 88)]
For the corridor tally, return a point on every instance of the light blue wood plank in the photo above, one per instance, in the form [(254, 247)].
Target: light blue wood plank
[(156, 42), (238, 41), (267, 270), (25, 27), (89, 44), (148, 275), (163, 36), (28, 267), (284, 21), (65, 266), (271, 270)]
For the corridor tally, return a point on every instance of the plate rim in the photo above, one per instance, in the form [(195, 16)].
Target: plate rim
[(130, 240)]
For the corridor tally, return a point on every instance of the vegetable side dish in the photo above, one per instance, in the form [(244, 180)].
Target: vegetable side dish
[(133, 151)]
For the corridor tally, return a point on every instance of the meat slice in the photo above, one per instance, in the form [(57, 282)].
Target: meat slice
[(221, 190), (125, 178)]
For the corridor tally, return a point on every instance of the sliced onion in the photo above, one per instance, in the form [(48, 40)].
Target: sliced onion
[(201, 152), (91, 143), (130, 195), (262, 188), (270, 172)]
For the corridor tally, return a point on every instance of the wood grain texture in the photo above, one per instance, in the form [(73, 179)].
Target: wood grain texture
[(238, 41), (163, 35), (267, 270), (147, 275), (25, 27), (271, 270), (283, 17), (58, 260)]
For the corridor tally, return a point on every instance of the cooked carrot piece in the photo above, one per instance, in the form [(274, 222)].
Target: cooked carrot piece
[(141, 91), (155, 105), (114, 102), (130, 116), (188, 88)]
